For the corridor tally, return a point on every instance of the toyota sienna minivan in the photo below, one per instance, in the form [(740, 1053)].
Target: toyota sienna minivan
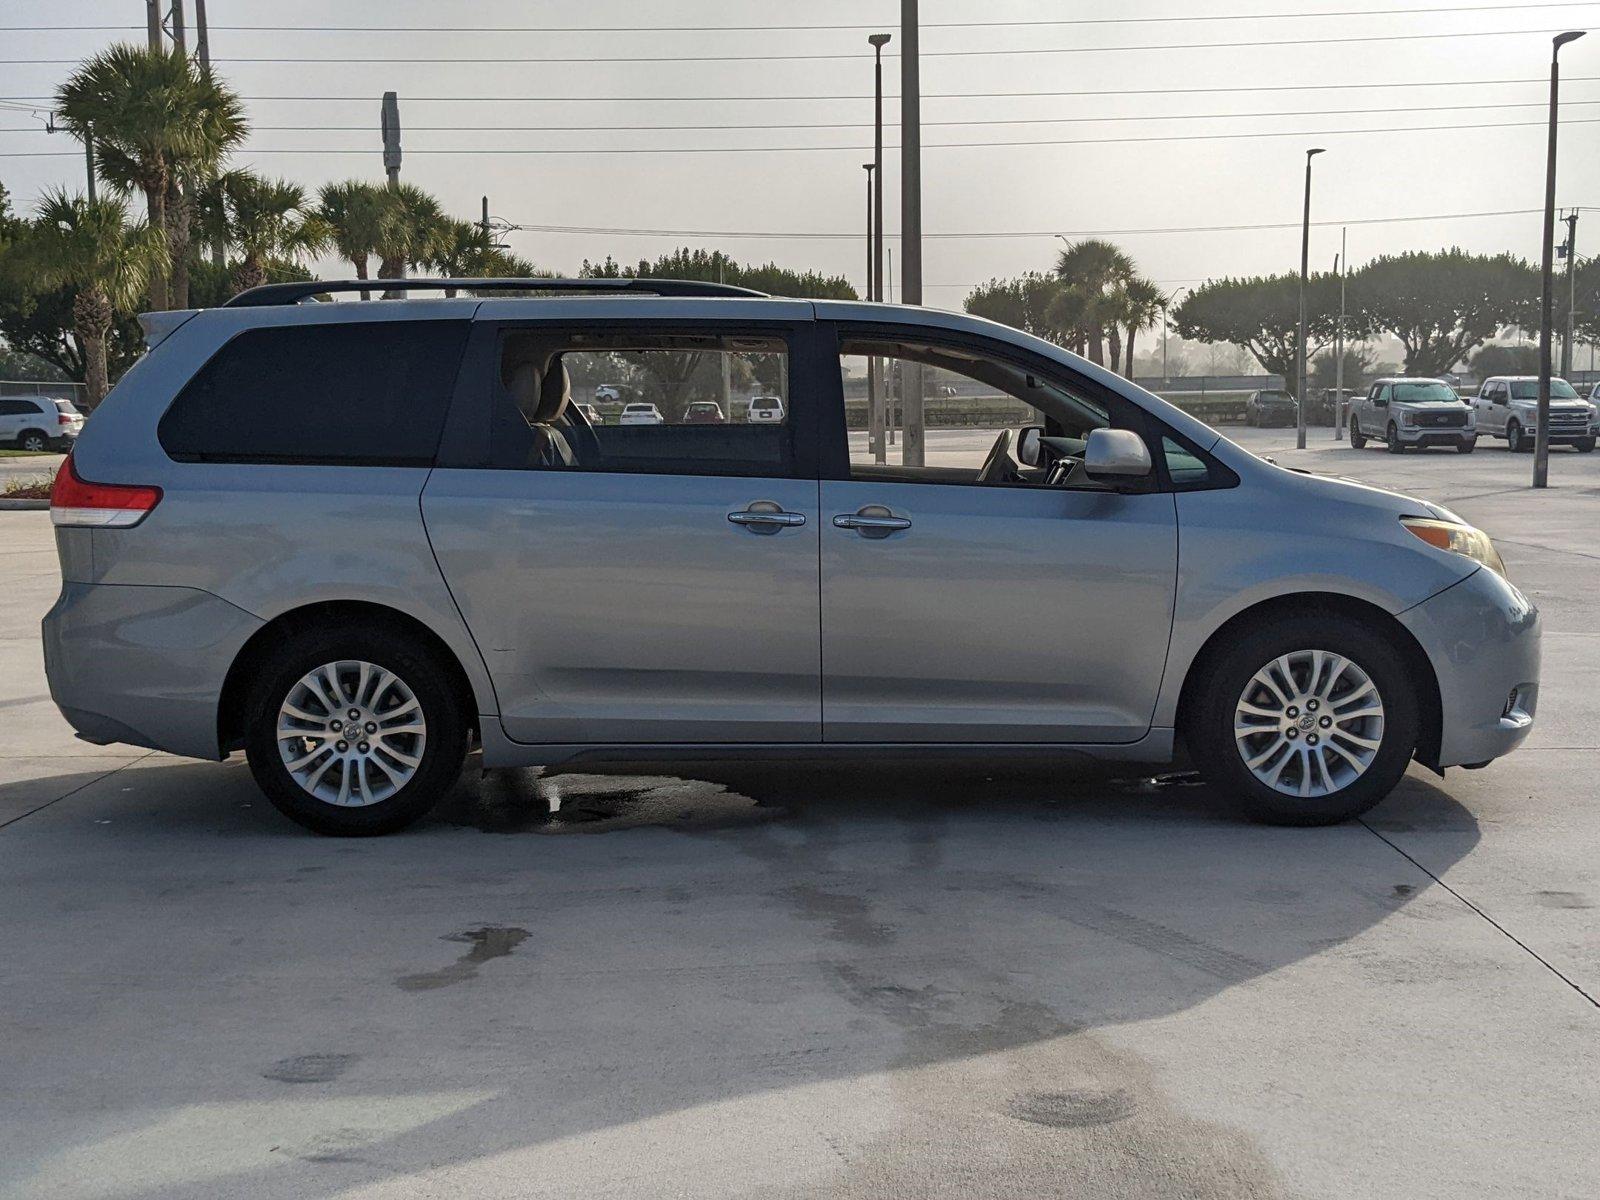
[(355, 539)]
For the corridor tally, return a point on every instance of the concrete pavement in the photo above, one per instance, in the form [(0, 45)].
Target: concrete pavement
[(898, 981)]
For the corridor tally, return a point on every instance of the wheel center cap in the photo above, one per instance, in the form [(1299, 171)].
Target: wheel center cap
[(1308, 721)]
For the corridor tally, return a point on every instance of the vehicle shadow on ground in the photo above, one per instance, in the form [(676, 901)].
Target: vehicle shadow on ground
[(568, 958)]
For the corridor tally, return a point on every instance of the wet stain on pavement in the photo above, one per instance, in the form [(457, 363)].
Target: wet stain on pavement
[(490, 942), (310, 1068), (1072, 1110), (849, 917), (1564, 900)]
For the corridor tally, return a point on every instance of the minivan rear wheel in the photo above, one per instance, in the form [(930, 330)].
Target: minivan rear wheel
[(1307, 720), (354, 733)]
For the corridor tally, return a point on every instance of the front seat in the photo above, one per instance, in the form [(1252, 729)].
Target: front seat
[(549, 419)]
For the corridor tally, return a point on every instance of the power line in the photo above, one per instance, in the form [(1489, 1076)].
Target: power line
[(1171, 91), (546, 128), (754, 58), (855, 149), (988, 235), (1072, 21)]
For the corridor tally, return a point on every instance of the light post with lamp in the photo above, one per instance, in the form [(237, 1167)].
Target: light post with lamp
[(1300, 344), (1541, 437)]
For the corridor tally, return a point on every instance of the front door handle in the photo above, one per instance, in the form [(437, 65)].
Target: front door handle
[(764, 516), (873, 521)]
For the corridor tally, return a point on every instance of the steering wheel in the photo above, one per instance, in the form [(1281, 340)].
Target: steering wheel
[(999, 466)]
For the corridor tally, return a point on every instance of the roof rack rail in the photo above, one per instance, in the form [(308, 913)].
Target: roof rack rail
[(294, 293)]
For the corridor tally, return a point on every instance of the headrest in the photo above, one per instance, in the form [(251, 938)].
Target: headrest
[(555, 392)]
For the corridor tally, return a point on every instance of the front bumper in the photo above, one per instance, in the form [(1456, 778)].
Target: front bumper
[(143, 665), (1482, 637), (1424, 435)]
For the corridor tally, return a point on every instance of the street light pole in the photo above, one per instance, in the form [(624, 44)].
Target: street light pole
[(1541, 440), (1300, 344), (875, 400), (1341, 268), (911, 447)]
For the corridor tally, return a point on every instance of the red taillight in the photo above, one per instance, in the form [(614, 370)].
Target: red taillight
[(63, 419), (76, 501)]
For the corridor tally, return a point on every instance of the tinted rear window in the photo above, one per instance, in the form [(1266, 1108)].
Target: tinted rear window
[(356, 393)]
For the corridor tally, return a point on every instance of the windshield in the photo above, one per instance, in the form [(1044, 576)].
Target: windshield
[(1528, 389), (1431, 392), (67, 407)]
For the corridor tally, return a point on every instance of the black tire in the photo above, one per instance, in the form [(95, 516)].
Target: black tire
[(1223, 678), (1584, 445), (429, 680), (1516, 440), (1466, 447), (33, 439), (1358, 440), (1392, 440)]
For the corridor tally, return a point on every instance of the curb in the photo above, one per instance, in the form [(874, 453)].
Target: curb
[(16, 505)]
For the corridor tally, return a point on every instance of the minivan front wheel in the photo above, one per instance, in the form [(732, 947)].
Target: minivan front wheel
[(354, 733), (1308, 720)]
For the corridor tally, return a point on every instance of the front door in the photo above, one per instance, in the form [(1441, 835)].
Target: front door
[(639, 583), (980, 599)]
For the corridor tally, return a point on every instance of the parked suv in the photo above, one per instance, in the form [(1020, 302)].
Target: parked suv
[(38, 422), (1406, 413), (1508, 406), (353, 539), (1271, 408)]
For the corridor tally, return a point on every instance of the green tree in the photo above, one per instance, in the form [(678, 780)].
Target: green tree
[(713, 266), (92, 247), (409, 225), (158, 124), (268, 220), (1092, 271), (1261, 315), (1141, 302), (1023, 303), (352, 212), (1495, 359), (1443, 306)]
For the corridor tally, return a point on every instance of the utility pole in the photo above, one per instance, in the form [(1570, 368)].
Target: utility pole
[(484, 224), (178, 38), (152, 21), (912, 451), (1341, 268), (1300, 345), (391, 137), (875, 397), (1572, 290), (88, 158), (1541, 438), (875, 445), (202, 37)]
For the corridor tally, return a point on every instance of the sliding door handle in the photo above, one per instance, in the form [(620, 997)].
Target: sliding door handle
[(872, 521), (766, 517)]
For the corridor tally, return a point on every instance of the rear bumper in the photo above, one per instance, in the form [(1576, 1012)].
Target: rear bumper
[(143, 665), (1482, 637)]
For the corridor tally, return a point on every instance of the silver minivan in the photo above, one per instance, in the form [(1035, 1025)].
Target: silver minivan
[(356, 539)]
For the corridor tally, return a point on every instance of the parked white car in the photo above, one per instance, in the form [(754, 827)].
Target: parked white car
[(1508, 407), (607, 393), (765, 410), (641, 414), (39, 422)]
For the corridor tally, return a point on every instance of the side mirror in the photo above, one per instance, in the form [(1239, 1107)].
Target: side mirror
[(1029, 446), (1379, 402), (1116, 453)]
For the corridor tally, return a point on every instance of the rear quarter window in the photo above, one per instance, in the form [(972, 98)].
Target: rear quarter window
[(370, 393)]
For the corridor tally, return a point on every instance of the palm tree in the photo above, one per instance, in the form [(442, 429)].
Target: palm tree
[(1095, 268), (408, 230), (1142, 304), (209, 203), (158, 123), (462, 250), (91, 247), (353, 215), (267, 220)]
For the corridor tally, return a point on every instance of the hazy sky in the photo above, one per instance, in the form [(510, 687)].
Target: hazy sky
[(1073, 188)]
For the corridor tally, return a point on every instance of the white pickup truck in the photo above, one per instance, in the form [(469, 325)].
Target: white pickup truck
[(1508, 406), (1412, 413)]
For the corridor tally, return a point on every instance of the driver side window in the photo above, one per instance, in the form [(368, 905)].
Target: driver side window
[(974, 409)]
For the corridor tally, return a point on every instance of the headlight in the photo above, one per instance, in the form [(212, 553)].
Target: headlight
[(1464, 540), (1408, 418)]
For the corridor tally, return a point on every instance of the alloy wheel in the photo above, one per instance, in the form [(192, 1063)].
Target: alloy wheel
[(351, 733), (1309, 723)]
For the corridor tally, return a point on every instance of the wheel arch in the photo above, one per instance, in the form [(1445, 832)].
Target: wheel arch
[(334, 613), (1419, 668)]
